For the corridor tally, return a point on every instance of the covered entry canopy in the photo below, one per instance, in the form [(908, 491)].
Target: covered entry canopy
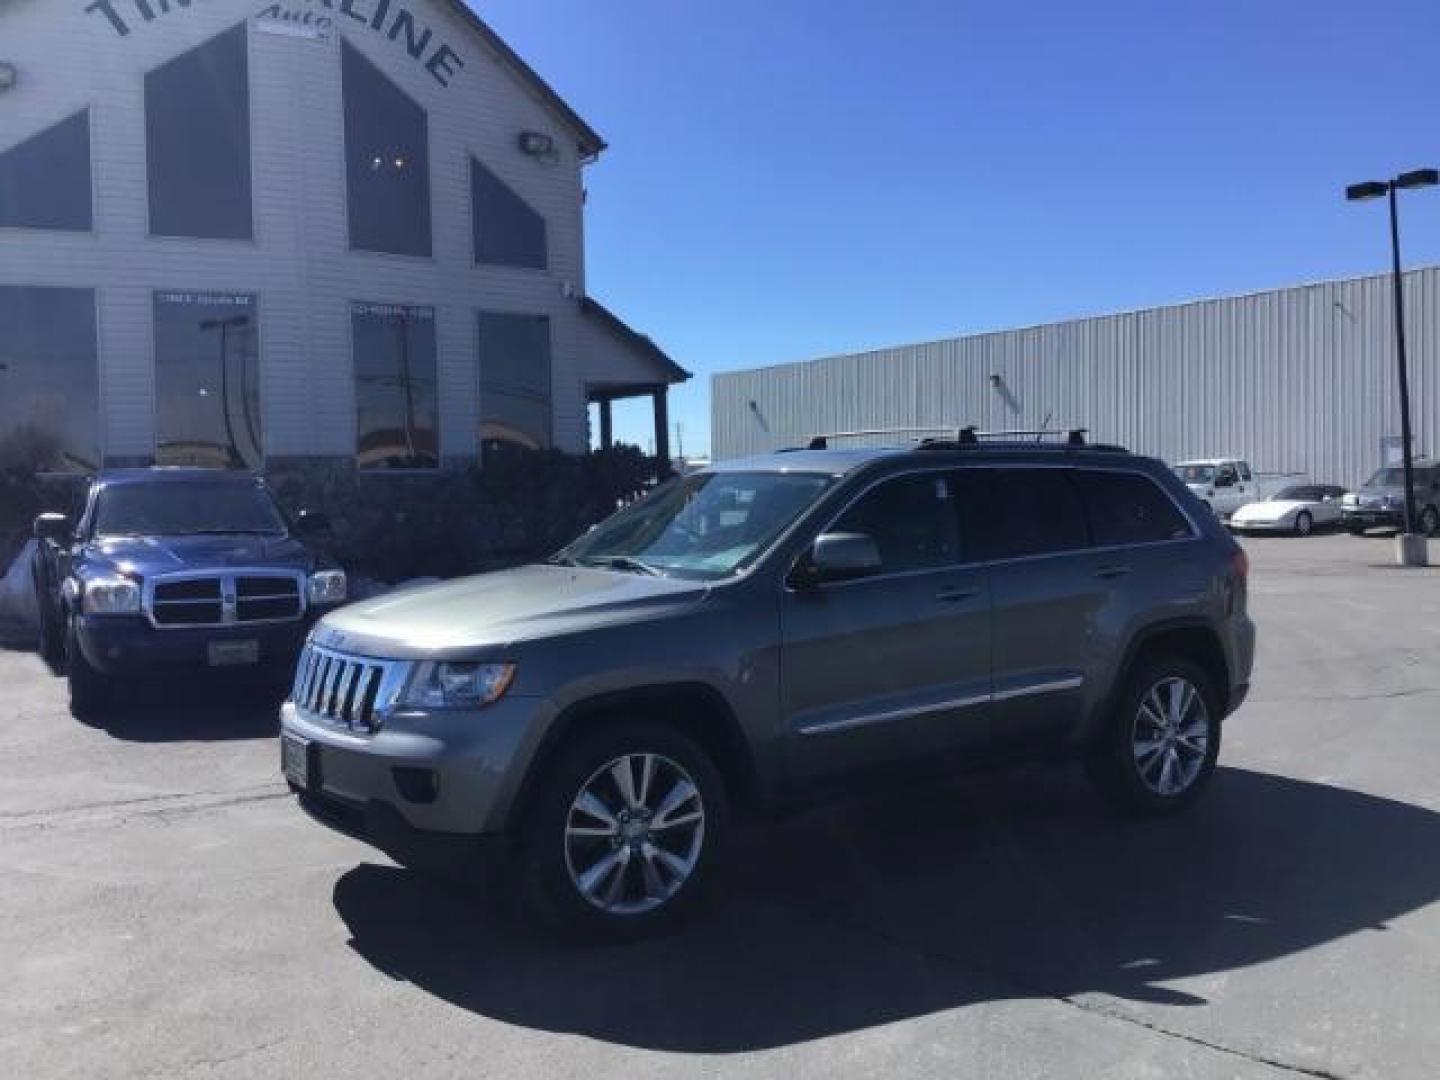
[(622, 363)]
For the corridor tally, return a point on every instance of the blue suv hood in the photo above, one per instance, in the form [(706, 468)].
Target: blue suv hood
[(149, 555)]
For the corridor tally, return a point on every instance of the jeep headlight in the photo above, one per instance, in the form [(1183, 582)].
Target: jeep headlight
[(443, 684), (327, 587), (110, 595)]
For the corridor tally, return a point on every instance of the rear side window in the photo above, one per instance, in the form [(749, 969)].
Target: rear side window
[(912, 520), (1127, 508), (1034, 512)]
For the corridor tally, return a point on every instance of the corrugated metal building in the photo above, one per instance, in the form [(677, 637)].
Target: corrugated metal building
[(238, 232), (1297, 380)]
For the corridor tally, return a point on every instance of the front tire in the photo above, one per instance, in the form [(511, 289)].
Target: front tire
[(1304, 524), (1163, 739), (92, 692), (624, 832)]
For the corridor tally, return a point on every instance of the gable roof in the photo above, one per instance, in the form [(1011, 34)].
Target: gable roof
[(590, 141), (668, 368)]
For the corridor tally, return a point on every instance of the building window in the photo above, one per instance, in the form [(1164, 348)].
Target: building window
[(395, 386), (49, 377), (207, 380), (515, 405), (197, 141), (508, 232), (387, 161), (45, 180)]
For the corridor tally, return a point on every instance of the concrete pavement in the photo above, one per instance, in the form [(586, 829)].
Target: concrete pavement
[(167, 911)]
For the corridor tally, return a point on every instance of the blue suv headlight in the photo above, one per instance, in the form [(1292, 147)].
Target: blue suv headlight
[(327, 587), (110, 595)]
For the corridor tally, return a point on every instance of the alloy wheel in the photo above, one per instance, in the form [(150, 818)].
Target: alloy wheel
[(634, 834), (1171, 736)]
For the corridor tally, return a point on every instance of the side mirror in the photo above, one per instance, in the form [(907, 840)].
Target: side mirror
[(841, 557), (311, 522), (54, 527)]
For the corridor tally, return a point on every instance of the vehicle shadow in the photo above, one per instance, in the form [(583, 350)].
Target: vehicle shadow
[(192, 709), (848, 918)]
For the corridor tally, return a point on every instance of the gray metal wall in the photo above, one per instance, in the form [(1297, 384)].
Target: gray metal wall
[(1299, 379)]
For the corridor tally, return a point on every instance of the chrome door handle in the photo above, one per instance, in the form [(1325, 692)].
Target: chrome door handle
[(1108, 573), (955, 596)]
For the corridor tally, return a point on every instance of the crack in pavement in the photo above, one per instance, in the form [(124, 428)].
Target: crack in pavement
[(122, 810), (1419, 691)]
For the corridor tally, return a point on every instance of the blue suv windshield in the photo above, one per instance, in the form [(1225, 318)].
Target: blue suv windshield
[(170, 509)]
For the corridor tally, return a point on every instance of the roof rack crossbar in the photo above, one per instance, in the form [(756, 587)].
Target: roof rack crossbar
[(943, 437)]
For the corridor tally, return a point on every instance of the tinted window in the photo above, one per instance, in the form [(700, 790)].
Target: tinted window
[(1034, 512), (387, 161), (197, 141), (45, 181), (507, 230), (1125, 508), (395, 386), (172, 509), (1244, 470), (911, 519), (49, 417), (515, 379), (207, 380)]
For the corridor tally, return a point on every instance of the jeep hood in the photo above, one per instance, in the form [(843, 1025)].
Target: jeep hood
[(147, 556), (502, 607)]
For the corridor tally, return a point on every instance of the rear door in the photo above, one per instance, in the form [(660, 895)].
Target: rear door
[(1045, 593), (895, 665)]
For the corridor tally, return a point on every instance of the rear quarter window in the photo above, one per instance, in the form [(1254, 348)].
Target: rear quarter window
[(1128, 508), (1034, 512)]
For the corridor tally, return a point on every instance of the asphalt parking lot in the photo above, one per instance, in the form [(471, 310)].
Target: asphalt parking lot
[(167, 912)]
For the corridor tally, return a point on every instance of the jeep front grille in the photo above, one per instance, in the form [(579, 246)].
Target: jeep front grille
[(352, 692)]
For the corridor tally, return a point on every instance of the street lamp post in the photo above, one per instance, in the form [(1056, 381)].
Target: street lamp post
[(1411, 552)]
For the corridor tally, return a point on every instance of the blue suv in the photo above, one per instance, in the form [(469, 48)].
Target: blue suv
[(173, 570)]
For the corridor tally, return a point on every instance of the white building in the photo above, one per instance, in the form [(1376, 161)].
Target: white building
[(236, 232), (1294, 380)]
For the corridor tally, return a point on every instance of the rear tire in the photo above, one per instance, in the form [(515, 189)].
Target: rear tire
[(1304, 524), (1162, 739), (91, 691), (605, 858)]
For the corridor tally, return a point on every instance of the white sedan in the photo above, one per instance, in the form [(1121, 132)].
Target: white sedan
[(1297, 509)]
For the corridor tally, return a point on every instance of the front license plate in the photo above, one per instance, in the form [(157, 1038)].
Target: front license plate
[(295, 761), (233, 653)]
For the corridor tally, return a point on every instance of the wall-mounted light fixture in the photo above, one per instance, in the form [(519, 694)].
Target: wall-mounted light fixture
[(997, 380), (8, 75), (536, 144)]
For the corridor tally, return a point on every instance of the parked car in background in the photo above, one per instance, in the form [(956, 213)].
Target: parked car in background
[(177, 570), (1380, 501), (1298, 509), (1225, 483), (768, 631)]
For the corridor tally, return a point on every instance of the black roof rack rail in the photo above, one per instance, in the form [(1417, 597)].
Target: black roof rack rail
[(951, 438)]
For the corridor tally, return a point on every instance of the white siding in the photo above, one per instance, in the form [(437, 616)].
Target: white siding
[(299, 262), (1298, 379)]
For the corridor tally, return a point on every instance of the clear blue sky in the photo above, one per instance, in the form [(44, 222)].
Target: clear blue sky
[(790, 178)]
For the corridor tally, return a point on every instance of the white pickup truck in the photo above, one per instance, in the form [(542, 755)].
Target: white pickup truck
[(1227, 483)]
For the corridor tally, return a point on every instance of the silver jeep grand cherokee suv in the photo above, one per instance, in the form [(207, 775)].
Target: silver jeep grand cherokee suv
[(763, 632)]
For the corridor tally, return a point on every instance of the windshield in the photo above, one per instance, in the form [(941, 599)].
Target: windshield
[(1195, 474), (1298, 494), (171, 509), (706, 525), (1392, 477)]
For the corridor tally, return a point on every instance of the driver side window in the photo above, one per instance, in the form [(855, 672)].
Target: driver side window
[(912, 520)]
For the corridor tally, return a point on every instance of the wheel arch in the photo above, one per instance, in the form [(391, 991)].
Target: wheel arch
[(1194, 639), (695, 709)]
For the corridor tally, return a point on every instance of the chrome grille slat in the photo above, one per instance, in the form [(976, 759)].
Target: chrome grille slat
[(352, 692)]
